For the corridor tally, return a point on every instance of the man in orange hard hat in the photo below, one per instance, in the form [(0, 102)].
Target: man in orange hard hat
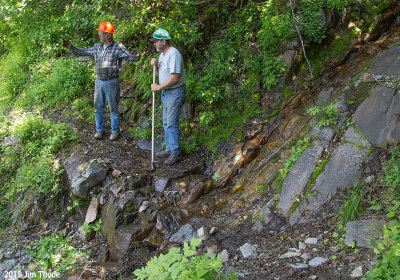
[(108, 56)]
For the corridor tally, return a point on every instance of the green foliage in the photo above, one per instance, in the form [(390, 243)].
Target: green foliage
[(296, 151), (327, 115), (339, 5), (42, 136), (28, 169), (183, 265), (389, 247), (54, 254), (89, 227), (311, 23), (391, 174), (351, 203), (140, 133), (56, 83), (388, 267)]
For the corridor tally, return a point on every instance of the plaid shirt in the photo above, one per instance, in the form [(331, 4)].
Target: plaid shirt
[(107, 60)]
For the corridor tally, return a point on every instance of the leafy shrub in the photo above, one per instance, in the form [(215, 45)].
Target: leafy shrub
[(186, 265), (54, 254), (43, 136), (311, 24), (326, 115), (58, 82)]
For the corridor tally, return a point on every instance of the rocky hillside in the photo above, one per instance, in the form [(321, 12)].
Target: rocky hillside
[(302, 192)]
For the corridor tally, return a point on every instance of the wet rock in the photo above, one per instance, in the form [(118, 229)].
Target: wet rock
[(317, 261), (248, 251), (91, 213), (378, 114), (200, 189), (357, 272), (91, 175), (10, 140), (364, 232), (184, 234), (297, 179)]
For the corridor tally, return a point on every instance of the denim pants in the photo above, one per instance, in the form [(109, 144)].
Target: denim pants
[(172, 106), (110, 91)]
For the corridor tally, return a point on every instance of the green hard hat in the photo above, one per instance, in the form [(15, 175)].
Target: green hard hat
[(160, 34)]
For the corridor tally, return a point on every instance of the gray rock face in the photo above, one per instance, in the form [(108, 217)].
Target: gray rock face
[(296, 181), (364, 232), (352, 136), (387, 63), (376, 117), (92, 175), (248, 251), (322, 133), (184, 234), (340, 171), (146, 144)]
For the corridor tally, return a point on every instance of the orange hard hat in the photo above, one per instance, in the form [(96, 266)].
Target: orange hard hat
[(106, 26)]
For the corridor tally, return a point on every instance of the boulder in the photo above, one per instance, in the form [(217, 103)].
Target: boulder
[(184, 234), (90, 176), (364, 232)]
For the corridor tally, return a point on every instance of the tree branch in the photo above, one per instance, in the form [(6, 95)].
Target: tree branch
[(301, 39)]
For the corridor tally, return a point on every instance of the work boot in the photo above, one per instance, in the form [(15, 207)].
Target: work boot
[(173, 159), (99, 134), (162, 154), (114, 136)]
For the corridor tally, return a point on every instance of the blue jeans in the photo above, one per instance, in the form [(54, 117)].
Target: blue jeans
[(110, 91), (172, 106)]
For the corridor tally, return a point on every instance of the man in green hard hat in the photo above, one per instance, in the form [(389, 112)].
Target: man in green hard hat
[(170, 72)]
